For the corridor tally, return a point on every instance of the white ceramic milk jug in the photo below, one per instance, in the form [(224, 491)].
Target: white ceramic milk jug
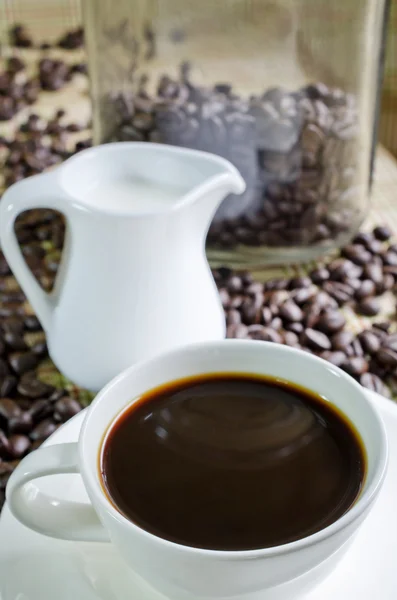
[(133, 280)]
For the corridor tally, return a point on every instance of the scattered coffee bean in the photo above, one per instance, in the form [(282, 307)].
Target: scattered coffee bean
[(21, 363), (40, 349), (374, 383), (43, 430), (22, 423), (290, 311), (20, 37), (387, 357), (315, 340), (357, 253), (32, 323), (331, 322), (291, 339), (369, 341), (72, 39), (8, 409), (15, 341), (367, 288), (382, 233), (355, 366), (337, 357), (7, 385), (369, 307), (238, 331), (19, 445), (4, 445), (341, 340), (66, 408)]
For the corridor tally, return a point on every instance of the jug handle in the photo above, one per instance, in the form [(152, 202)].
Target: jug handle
[(39, 191)]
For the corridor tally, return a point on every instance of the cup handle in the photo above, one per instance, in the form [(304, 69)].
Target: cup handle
[(62, 519), (39, 191)]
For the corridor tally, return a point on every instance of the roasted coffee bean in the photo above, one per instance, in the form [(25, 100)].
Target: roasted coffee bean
[(32, 323), (366, 289), (276, 323), (323, 300), (334, 357), (250, 312), (32, 387), (368, 306), (390, 342), (21, 363), (9, 409), (357, 348), (72, 39), (40, 349), (303, 295), (290, 311), (20, 37), (374, 383), (355, 366), (374, 246), (15, 341), (387, 357), (234, 284), (224, 297), (320, 275), (386, 284), (18, 445), (357, 253), (291, 339), (299, 282), (66, 408), (341, 340), (331, 321), (7, 385), (266, 315), (311, 315), (294, 327), (22, 423), (41, 409), (13, 325), (315, 339), (363, 237), (4, 446), (56, 395), (341, 292), (373, 272), (233, 317), (382, 233), (4, 370), (236, 301), (390, 270), (343, 270), (265, 334), (379, 330), (43, 430), (369, 341), (389, 258), (238, 331)]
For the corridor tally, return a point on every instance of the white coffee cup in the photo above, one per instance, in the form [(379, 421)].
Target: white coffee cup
[(174, 569)]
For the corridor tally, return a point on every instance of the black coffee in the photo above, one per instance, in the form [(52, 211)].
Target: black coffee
[(232, 462)]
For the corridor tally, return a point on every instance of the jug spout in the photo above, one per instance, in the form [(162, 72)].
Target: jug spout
[(224, 179)]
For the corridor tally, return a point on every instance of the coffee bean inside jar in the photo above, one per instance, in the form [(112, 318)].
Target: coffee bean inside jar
[(297, 151), (277, 87)]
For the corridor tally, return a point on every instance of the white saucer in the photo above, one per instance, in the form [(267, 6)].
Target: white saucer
[(33, 567)]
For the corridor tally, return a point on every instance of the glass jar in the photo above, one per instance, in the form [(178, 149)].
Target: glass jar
[(284, 89)]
